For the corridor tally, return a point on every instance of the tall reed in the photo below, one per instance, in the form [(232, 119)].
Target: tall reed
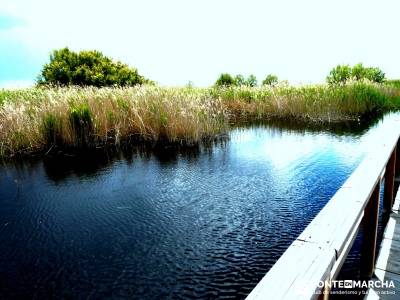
[(33, 119), (39, 118)]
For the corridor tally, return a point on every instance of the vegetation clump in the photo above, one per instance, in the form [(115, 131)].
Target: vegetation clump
[(85, 117), (87, 68), (86, 100), (226, 79), (38, 118), (270, 80), (343, 73)]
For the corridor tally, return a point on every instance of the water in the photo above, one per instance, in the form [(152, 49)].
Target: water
[(208, 222)]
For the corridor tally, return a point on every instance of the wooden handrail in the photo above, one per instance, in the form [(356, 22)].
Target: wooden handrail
[(319, 252)]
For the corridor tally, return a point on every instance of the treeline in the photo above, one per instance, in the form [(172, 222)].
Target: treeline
[(226, 79), (338, 75), (343, 73), (92, 68)]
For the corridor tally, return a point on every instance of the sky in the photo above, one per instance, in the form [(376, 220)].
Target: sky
[(177, 41)]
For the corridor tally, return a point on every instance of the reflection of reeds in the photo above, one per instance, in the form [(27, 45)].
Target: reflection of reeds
[(34, 119)]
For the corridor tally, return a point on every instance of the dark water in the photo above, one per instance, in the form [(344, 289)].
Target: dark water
[(204, 223)]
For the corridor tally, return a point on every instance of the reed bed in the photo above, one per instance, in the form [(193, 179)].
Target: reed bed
[(310, 103), (38, 119), (35, 119)]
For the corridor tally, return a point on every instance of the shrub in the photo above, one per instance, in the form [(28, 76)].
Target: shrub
[(339, 75), (358, 72), (225, 79), (87, 68), (271, 80), (375, 75), (342, 73), (251, 81), (240, 80)]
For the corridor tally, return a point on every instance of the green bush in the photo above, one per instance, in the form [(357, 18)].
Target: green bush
[(339, 74), (375, 75), (225, 79), (87, 68), (251, 80), (240, 80), (271, 80), (342, 73)]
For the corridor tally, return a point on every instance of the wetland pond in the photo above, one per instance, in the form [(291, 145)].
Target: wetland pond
[(202, 223)]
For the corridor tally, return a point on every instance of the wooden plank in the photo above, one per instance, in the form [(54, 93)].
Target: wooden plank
[(319, 251), (397, 172), (372, 295), (389, 254), (342, 257), (296, 275), (386, 293), (332, 226), (368, 249), (396, 204), (389, 182), (392, 230)]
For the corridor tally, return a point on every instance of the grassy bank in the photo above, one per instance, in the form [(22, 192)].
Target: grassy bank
[(40, 118), (311, 103)]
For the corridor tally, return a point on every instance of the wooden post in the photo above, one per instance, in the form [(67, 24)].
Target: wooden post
[(389, 183), (370, 223), (325, 291), (397, 172)]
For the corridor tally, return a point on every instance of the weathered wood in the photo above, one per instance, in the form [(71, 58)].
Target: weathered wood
[(397, 171), (389, 183), (384, 293), (297, 274), (319, 252), (396, 204), (389, 256), (370, 222), (388, 262), (392, 230)]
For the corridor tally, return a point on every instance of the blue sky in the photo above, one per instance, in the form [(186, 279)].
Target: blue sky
[(176, 41)]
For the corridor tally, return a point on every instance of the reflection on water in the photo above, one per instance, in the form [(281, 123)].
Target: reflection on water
[(207, 222)]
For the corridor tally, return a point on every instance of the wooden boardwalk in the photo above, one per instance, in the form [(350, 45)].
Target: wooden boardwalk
[(387, 267), (311, 264)]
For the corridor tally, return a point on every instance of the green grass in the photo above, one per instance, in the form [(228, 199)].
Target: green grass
[(39, 118), (394, 83)]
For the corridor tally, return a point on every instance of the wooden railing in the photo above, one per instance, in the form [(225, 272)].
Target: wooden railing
[(307, 268)]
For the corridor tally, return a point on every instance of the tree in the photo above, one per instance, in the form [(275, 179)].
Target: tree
[(225, 79), (339, 75), (240, 80), (358, 71), (271, 80), (342, 73), (87, 68), (375, 75), (251, 80)]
